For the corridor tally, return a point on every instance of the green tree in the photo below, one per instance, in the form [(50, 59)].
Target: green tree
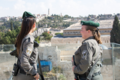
[(16, 24), (67, 16), (9, 37), (11, 25), (47, 36), (37, 39), (115, 32), (59, 34)]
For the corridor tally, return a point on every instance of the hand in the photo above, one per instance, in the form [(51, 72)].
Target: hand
[(37, 76)]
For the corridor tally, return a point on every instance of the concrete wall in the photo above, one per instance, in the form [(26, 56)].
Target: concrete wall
[(76, 40)]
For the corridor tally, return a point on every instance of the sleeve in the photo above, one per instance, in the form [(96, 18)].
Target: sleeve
[(38, 32), (86, 59), (73, 58), (77, 51), (26, 53)]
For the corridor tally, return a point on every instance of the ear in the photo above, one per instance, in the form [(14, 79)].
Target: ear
[(89, 31), (34, 25)]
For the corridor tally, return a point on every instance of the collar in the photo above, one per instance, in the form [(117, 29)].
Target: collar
[(88, 38)]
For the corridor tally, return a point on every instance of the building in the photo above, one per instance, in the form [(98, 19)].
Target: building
[(92, 16), (74, 30), (5, 18), (72, 34), (105, 16)]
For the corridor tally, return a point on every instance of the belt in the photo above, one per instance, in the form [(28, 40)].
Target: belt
[(95, 74), (23, 72)]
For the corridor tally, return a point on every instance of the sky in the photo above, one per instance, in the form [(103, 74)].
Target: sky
[(73, 8)]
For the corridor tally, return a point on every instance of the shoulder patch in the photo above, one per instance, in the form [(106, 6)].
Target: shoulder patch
[(28, 51), (84, 54)]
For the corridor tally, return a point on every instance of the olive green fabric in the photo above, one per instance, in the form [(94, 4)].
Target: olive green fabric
[(90, 23), (27, 14)]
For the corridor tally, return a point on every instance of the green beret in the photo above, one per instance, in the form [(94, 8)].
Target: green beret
[(90, 23), (27, 14)]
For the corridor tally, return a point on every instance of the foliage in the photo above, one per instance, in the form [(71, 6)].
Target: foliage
[(47, 36), (115, 32), (9, 37), (45, 74), (10, 29), (57, 70), (37, 39), (61, 77), (67, 16), (55, 21), (11, 24), (61, 34)]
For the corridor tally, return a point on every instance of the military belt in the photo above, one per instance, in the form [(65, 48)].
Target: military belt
[(23, 72)]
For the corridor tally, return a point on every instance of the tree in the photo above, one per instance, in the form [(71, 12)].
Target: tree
[(11, 25), (37, 39), (47, 36), (9, 37), (115, 32), (59, 34)]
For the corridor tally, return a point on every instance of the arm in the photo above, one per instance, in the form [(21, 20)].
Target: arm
[(86, 59), (26, 53), (78, 51), (73, 58), (38, 32)]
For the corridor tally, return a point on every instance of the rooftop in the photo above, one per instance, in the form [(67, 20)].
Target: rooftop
[(104, 24)]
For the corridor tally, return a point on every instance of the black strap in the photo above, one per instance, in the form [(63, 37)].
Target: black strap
[(40, 69)]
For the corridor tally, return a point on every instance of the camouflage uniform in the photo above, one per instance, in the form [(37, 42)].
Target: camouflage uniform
[(28, 57), (85, 56)]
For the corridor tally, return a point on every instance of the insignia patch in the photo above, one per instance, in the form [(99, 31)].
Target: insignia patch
[(28, 51), (84, 54)]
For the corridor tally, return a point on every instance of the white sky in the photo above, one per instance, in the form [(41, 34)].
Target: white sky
[(71, 7)]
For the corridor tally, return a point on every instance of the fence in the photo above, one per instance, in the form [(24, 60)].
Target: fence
[(61, 56)]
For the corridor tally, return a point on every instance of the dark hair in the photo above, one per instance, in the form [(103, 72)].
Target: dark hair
[(26, 26), (95, 32)]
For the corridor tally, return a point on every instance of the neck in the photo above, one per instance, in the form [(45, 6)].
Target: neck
[(30, 32), (88, 36)]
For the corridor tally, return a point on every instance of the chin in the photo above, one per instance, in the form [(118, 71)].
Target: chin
[(83, 37)]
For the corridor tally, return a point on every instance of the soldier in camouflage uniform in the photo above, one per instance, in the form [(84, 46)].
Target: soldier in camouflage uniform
[(27, 53), (88, 52)]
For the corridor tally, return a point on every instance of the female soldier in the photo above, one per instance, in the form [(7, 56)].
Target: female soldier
[(88, 52), (27, 54)]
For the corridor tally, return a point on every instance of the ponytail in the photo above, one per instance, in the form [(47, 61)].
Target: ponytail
[(96, 33)]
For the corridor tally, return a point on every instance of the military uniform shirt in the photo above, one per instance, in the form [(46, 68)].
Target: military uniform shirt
[(28, 54), (86, 55)]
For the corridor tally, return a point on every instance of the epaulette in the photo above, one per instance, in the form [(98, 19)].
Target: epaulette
[(36, 44)]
